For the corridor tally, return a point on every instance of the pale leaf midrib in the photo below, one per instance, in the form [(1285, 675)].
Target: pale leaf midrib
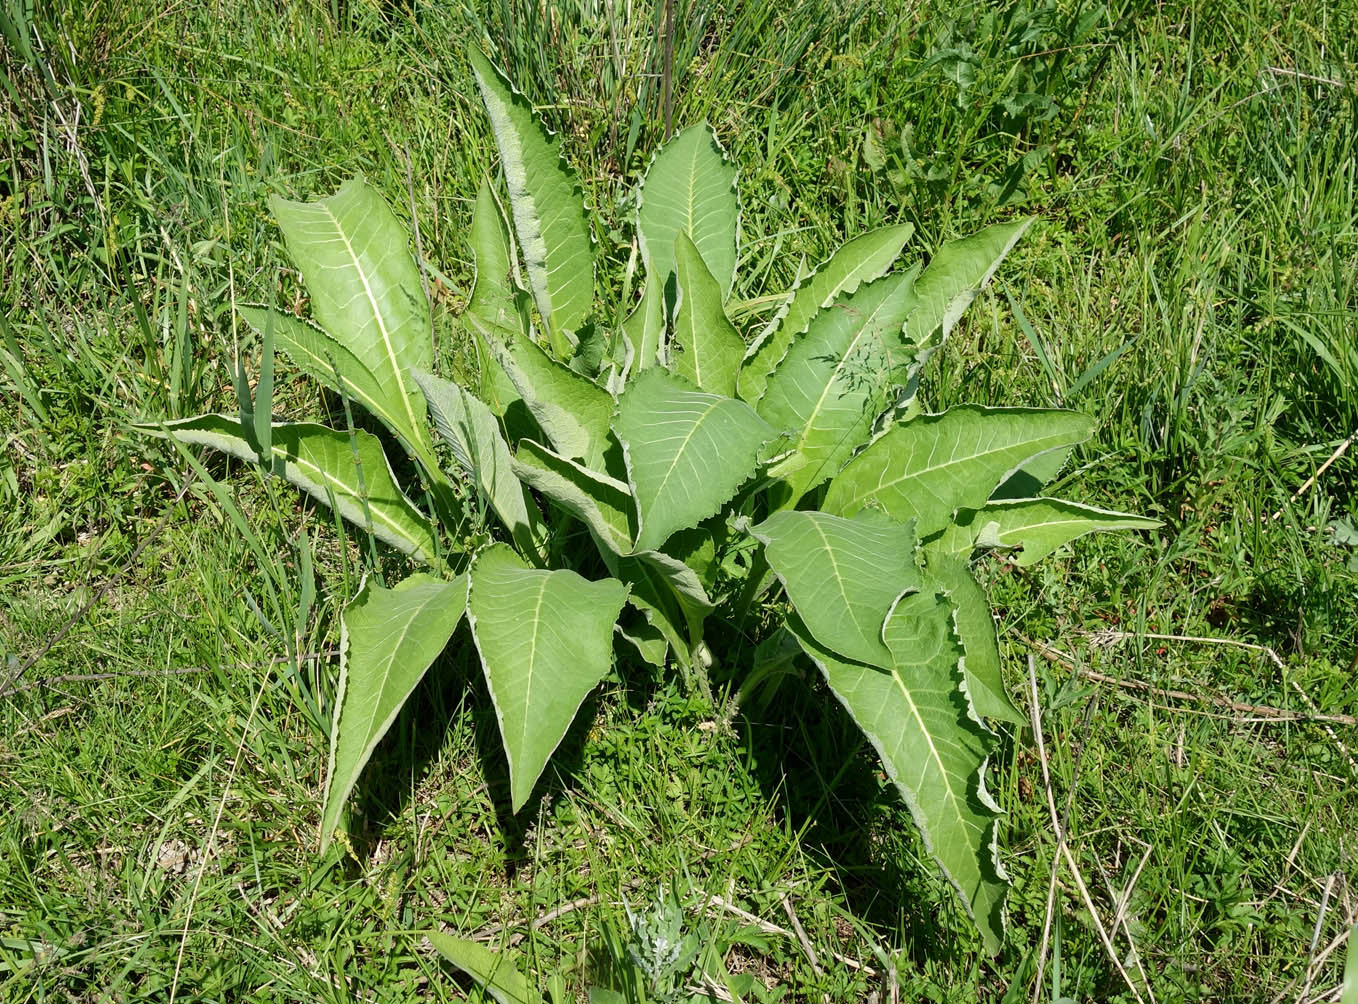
[(377, 313), (953, 462)]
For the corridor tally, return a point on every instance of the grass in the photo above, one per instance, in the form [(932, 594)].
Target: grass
[(1192, 281)]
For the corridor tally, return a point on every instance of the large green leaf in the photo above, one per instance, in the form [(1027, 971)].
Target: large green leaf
[(572, 410), (388, 639), (469, 428), (687, 452), (839, 376), (498, 972), (1036, 527), (860, 260), (954, 276), (545, 199), (644, 328), (326, 464), (495, 293), (602, 503), (546, 640), (670, 595), (930, 466), (842, 575), (366, 293), (690, 186), (705, 349), (917, 717), (976, 627), (331, 363)]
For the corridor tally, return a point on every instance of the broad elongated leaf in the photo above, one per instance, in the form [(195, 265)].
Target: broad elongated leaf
[(976, 628), (602, 503), (325, 464), (474, 436), (572, 410), (687, 452), (915, 714), (366, 293), (1036, 527), (839, 376), (705, 349), (329, 362), (496, 285), (842, 575), (545, 199), (930, 466), (954, 276), (389, 638), (546, 640), (498, 972), (494, 293), (860, 260), (690, 187), (670, 595), (644, 328)]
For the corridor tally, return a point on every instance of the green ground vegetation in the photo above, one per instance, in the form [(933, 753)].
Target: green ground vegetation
[(1191, 280)]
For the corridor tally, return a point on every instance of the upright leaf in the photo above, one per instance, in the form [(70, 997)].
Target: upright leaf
[(669, 594), (366, 293), (494, 292), (954, 276), (572, 410), (644, 328), (1036, 527), (860, 260), (690, 187), (388, 639), (687, 452), (474, 436), (839, 376), (933, 748), (545, 198), (976, 628), (929, 466), (498, 972), (706, 349), (602, 503), (496, 283), (842, 575), (355, 476), (546, 640)]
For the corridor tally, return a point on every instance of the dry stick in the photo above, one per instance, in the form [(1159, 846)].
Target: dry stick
[(52, 681), (1339, 452), (801, 935), (1264, 711), (1281, 71), (1306, 699), (1315, 937), (1062, 845), (212, 840), (1105, 637), (101, 591), (768, 928)]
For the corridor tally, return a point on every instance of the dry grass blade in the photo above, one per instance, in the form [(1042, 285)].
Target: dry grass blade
[(1063, 847)]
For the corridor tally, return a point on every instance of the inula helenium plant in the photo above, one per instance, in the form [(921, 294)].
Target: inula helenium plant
[(668, 487)]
